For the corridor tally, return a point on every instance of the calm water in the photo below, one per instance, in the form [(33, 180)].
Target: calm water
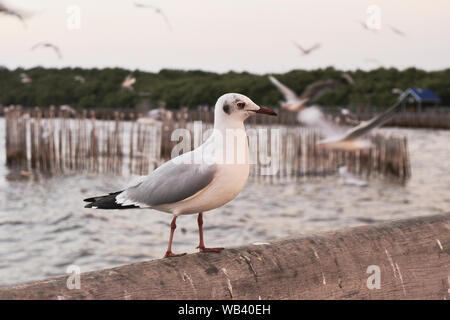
[(44, 227)]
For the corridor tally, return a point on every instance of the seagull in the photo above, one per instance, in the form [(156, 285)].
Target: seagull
[(197, 181), (127, 84), (366, 26), (349, 117), (312, 92), (373, 61), (336, 138), (157, 10), (397, 91), (397, 31), (79, 79), (48, 45), (15, 13), (67, 108), (348, 178), (156, 117), (24, 78), (304, 51)]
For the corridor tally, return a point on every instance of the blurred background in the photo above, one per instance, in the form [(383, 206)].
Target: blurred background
[(91, 91)]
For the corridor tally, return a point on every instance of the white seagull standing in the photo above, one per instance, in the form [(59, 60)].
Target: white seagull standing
[(336, 137), (197, 181)]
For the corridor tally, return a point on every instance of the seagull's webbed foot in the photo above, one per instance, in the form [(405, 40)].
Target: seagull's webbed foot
[(204, 249), (170, 254)]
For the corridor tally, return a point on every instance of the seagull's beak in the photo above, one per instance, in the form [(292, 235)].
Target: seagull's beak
[(264, 110)]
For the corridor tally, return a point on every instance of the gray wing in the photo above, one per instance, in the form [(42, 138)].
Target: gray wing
[(289, 95), (169, 183), (365, 127), (299, 47), (166, 20), (314, 47), (37, 45), (314, 91), (57, 51)]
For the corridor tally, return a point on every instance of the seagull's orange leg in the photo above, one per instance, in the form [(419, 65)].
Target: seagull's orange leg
[(169, 252), (201, 245)]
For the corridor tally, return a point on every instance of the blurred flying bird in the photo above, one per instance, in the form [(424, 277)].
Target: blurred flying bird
[(306, 51), (79, 79), (14, 13), (67, 108), (24, 78), (397, 91), (48, 45), (156, 10), (366, 26), (373, 60), (348, 178), (337, 138), (349, 117), (312, 93), (397, 31), (158, 116), (127, 84)]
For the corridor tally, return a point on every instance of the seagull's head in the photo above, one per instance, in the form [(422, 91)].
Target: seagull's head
[(237, 107)]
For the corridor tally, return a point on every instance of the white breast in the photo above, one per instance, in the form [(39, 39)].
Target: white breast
[(228, 182)]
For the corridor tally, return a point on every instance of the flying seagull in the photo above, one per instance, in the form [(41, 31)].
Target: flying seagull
[(14, 13), (197, 181), (366, 26), (79, 79), (337, 138), (48, 45), (127, 84), (67, 108), (397, 91), (312, 93), (24, 78), (306, 51), (156, 10), (348, 178), (397, 31)]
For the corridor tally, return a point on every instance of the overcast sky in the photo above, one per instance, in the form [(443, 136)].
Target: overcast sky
[(240, 35)]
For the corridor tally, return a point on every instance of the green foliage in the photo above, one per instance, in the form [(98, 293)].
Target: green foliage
[(192, 88)]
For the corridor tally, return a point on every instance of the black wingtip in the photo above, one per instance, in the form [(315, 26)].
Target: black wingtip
[(106, 202)]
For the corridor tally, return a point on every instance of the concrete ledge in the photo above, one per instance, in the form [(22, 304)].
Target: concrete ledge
[(413, 256)]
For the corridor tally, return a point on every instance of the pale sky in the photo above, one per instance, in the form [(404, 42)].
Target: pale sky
[(239, 35)]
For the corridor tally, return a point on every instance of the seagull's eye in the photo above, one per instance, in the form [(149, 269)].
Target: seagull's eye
[(241, 105)]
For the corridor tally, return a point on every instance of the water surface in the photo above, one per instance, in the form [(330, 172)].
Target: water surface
[(44, 227)]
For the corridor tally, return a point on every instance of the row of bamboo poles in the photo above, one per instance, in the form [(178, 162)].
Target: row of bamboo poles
[(56, 142), (436, 118)]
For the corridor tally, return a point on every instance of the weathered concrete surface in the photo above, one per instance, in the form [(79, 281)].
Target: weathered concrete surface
[(413, 256)]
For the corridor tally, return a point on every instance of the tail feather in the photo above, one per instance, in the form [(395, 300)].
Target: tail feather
[(106, 202)]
